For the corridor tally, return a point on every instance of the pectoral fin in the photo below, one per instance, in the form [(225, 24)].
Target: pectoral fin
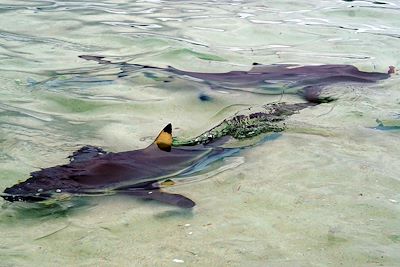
[(172, 199)]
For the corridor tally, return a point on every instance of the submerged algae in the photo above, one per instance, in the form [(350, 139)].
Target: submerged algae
[(268, 118)]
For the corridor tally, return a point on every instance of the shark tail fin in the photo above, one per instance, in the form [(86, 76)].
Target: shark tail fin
[(164, 139)]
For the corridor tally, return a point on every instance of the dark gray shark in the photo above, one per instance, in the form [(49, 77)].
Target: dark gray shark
[(140, 173), (274, 79)]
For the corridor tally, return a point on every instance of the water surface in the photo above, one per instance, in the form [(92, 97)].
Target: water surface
[(325, 193)]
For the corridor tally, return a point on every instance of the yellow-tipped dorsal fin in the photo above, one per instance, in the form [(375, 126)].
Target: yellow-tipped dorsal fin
[(164, 139)]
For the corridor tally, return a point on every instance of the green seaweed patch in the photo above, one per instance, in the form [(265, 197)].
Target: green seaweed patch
[(269, 119), (239, 128)]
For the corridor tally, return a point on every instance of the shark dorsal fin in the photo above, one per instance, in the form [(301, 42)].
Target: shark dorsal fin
[(164, 139)]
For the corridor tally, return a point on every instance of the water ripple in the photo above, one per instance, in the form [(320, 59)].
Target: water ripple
[(306, 196)]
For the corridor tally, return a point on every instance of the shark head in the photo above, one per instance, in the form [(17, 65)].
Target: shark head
[(27, 192)]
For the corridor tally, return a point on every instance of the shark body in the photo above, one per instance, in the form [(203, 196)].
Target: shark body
[(138, 173), (308, 81), (92, 171)]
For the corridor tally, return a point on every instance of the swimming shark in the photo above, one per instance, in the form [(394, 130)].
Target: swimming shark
[(307, 81), (141, 173)]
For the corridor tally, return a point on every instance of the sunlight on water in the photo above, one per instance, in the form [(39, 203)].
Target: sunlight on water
[(324, 192)]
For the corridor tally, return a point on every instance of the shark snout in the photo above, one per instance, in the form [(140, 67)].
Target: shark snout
[(17, 193)]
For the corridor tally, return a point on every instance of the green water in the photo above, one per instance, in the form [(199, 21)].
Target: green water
[(325, 193)]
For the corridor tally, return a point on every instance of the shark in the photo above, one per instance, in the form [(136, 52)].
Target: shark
[(307, 81), (142, 173)]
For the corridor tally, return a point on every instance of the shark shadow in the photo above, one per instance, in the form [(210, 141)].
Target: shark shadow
[(142, 173), (308, 81)]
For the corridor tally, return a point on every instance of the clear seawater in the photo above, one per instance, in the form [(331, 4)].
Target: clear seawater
[(326, 192)]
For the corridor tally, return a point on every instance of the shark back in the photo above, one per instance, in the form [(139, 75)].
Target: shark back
[(93, 170)]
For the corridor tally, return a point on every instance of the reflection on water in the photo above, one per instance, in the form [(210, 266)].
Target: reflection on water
[(325, 192)]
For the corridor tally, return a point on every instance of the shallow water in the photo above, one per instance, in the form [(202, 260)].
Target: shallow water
[(325, 192)]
